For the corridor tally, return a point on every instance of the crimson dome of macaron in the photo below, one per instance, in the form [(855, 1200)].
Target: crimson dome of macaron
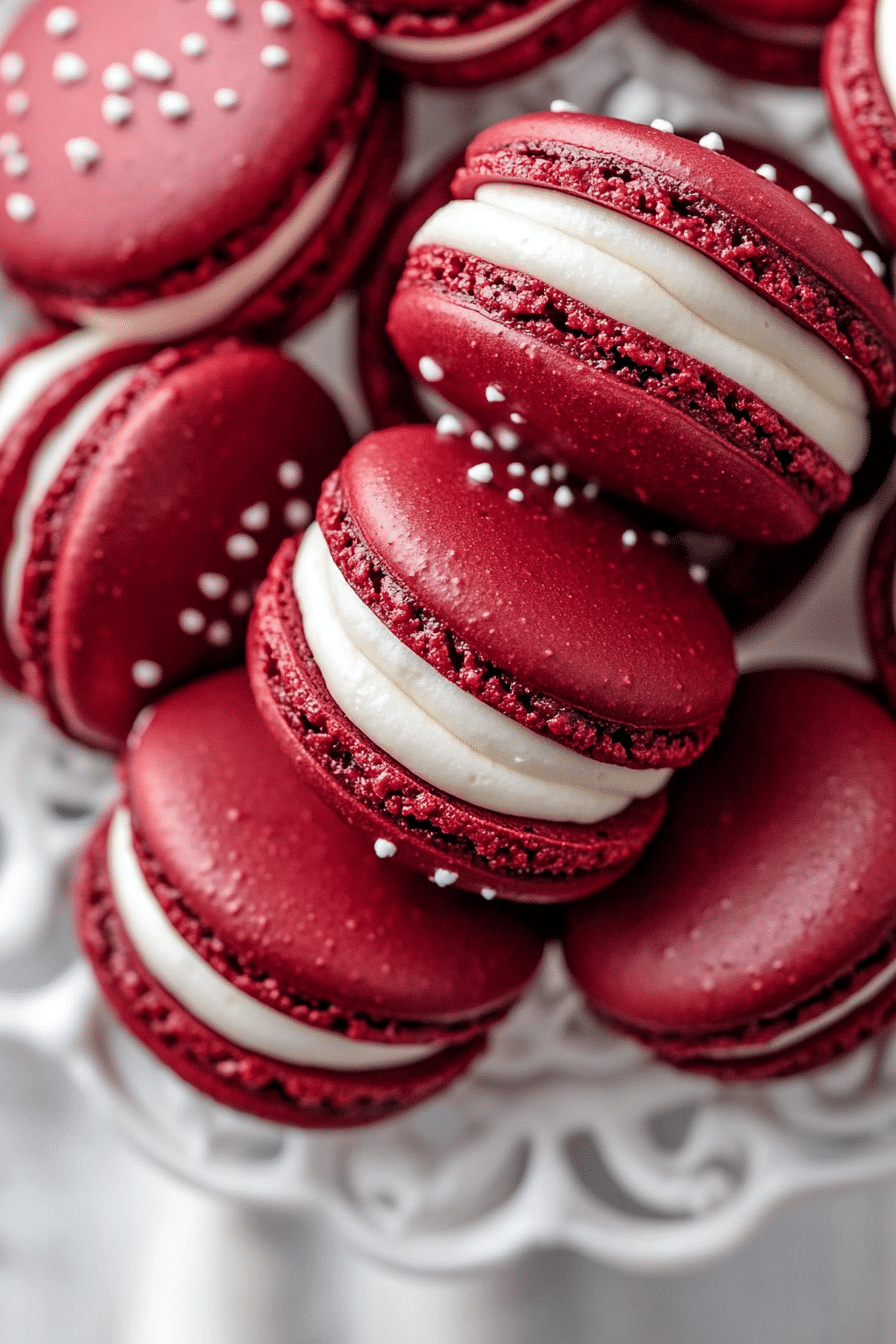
[(180, 167), (659, 316)]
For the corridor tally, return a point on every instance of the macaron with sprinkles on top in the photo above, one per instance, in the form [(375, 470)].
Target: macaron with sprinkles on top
[(661, 316), (175, 168), (142, 496), (255, 943), (486, 668)]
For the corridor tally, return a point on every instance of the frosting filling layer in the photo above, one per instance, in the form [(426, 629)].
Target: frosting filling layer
[(437, 730), (179, 315), (443, 49), (46, 465), (645, 278), (215, 1001)]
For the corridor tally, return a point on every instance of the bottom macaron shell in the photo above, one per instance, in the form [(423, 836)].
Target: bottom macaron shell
[(528, 861), (247, 1081), (649, 422), (737, 53)]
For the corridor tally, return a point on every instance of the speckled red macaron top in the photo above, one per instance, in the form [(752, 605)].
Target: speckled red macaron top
[(763, 235), (547, 605), (774, 873), (283, 898), (147, 135)]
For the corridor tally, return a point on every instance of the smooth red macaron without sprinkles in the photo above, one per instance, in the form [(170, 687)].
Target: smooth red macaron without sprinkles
[(183, 167), (657, 315), (758, 937), (488, 672), (257, 946), (142, 496)]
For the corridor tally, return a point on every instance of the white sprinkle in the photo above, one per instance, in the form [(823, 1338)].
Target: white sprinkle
[(480, 439), (515, 495), (768, 171), (117, 109), (20, 207), (276, 14), (542, 475), (430, 371), (193, 44), (561, 105), (493, 393), (803, 194), (384, 849), (174, 105), (212, 586), (506, 437), (17, 103), (117, 78), (489, 893), (146, 673), (256, 517), (241, 546), (222, 10), (661, 124), (9, 143), (874, 262), (563, 497), (290, 474), (219, 634), (69, 68), (226, 98), (515, 469), (443, 878), (816, 207), (699, 573), (629, 537), (517, 418), (829, 217), (275, 58), (591, 490), (482, 472), (240, 602), (60, 21), (559, 472), (16, 165), (150, 65), (12, 67), (660, 538), (851, 237), (297, 513), (191, 621), (449, 424), (712, 141), (82, 153)]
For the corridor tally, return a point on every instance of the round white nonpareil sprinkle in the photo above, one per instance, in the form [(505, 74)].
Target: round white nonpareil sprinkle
[(151, 65), (16, 165), (174, 105), (212, 586), (219, 634), (69, 68), (17, 103), (297, 513), (276, 14), (117, 78), (290, 474), (241, 546), (20, 207), (384, 849), (117, 109), (256, 517), (191, 621), (222, 10), (82, 153), (61, 21), (193, 44), (274, 57), (146, 673), (226, 98), (12, 67), (430, 371)]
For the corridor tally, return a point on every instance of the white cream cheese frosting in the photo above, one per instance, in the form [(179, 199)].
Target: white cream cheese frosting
[(433, 727), (885, 46), (443, 49), (639, 275), (215, 1001), (178, 315), (45, 467)]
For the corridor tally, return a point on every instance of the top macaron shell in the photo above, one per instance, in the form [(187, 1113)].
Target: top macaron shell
[(145, 135)]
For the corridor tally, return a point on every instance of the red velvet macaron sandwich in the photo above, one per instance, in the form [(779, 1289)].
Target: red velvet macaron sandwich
[(258, 947), (758, 936), (142, 497), (489, 672), (658, 315), (775, 41), (177, 168), (459, 44)]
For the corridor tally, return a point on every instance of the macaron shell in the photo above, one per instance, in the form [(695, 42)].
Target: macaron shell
[(742, 54), (879, 604), (243, 1079), (163, 501), (165, 190), (771, 883)]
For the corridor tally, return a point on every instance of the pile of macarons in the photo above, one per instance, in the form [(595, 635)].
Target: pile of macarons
[(392, 714)]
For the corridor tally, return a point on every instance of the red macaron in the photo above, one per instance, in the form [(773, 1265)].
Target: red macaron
[(489, 672), (657, 314), (176, 168), (758, 936), (769, 40), (142, 497), (257, 946)]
